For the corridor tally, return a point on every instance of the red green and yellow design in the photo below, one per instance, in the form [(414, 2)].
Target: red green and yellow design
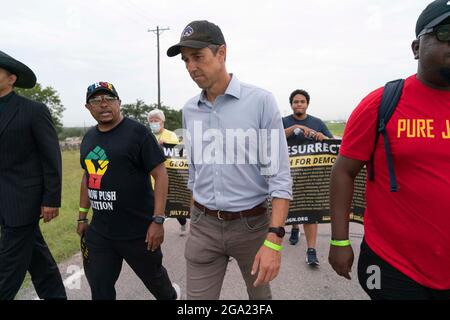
[(96, 164)]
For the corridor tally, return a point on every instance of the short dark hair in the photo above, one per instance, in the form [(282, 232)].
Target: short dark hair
[(214, 48), (296, 92)]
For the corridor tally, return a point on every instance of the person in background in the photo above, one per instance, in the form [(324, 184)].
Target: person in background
[(156, 120), (299, 128)]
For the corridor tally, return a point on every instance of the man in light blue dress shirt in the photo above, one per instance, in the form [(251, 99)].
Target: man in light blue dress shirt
[(238, 159)]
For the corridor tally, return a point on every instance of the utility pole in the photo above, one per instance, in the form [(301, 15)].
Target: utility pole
[(157, 31)]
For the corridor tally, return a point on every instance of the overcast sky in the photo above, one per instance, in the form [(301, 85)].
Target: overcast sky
[(338, 51)]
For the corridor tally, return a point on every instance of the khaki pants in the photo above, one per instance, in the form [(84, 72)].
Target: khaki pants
[(210, 244)]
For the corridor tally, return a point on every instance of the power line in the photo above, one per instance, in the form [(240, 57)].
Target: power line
[(158, 31), (126, 13), (142, 12)]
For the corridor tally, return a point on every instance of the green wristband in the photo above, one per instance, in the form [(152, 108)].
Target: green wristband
[(85, 210), (340, 243), (272, 245)]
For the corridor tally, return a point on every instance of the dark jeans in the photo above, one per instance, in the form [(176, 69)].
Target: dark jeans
[(103, 259), (24, 249), (394, 285)]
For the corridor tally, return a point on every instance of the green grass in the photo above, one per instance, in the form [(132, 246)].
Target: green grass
[(60, 233), (337, 129)]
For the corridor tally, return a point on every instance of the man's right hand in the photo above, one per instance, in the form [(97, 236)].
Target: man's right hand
[(306, 131), (82, 228), (341, 259)]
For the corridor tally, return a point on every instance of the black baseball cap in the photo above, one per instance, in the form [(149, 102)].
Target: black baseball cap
[(101, 86), (198, 34), (434, 14)]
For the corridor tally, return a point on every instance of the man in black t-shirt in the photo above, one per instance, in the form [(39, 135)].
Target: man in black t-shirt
[(301, 127), (119, 156)]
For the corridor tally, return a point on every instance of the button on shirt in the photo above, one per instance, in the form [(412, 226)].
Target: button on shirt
[(231, 168)]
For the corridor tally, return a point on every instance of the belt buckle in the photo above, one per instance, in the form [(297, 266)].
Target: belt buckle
[(218, 216)]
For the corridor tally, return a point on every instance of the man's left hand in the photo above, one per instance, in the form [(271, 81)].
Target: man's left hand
[(320, 136), (267, 263), (48, 213)]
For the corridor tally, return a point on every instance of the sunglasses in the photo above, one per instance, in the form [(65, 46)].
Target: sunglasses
[(441, 32), (98, 100)]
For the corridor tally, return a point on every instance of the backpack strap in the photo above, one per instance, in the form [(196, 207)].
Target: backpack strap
[(391, 96)]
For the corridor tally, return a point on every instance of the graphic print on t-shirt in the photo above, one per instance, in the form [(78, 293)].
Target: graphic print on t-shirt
[(97, 165), (421, 128)]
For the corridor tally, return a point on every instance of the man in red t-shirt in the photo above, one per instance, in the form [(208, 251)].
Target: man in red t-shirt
[(405, 253)]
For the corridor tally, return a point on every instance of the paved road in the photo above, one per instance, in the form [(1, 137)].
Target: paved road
[(296, 280)]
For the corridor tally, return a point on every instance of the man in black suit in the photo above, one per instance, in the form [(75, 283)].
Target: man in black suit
[(30, 186)]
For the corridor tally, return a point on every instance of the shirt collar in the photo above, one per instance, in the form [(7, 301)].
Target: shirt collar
[(233, 89)]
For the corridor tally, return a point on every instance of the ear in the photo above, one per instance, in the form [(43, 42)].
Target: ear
[(12, 79), (223, 52), (415, 48)]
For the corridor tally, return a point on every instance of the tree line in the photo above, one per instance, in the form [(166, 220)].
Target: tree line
[(138, 111)]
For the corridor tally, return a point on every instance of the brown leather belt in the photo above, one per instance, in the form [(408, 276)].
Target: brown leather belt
[(227, 215)]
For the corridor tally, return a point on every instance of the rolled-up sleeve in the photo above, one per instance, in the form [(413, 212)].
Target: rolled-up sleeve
[(279, 176)]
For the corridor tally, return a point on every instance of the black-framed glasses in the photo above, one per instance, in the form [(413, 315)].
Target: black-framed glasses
[(98, 100), (442, 32)]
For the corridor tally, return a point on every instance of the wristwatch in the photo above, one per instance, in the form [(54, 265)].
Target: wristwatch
[(159, 219), (280, 232)]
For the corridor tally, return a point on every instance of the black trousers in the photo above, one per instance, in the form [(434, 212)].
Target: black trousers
[(24, 249), (103, 258), (393, 285)]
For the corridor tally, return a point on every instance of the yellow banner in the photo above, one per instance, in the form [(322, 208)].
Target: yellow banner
[(176, 164), (312, 161)]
